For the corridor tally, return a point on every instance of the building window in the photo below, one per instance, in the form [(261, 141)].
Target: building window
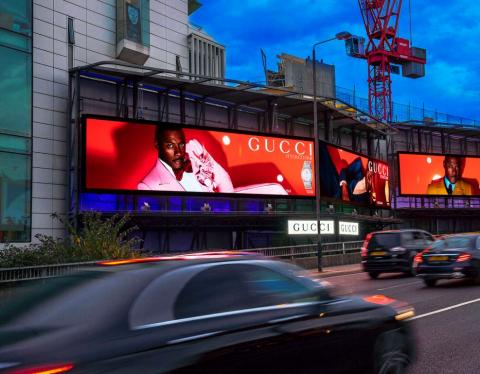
[(15, 120), (15, 91), (16, 16), (15, 197)]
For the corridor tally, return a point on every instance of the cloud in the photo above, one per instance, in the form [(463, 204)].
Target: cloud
[(448, 30)]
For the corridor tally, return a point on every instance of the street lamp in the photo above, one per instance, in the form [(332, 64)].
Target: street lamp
[(339, 36)]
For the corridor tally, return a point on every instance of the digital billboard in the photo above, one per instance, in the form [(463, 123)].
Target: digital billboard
[(155, 157), (425, 174), (352, 177)]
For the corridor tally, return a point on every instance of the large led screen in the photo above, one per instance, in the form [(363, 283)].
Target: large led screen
[(153, 157), (438, 175), (353, 178)]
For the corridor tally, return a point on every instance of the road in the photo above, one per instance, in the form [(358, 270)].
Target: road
[(447, 321)]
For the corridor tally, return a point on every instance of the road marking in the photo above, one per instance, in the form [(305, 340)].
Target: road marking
[(398, 285), (445, 309)]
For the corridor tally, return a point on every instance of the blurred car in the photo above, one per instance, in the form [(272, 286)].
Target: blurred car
[(207, 313), (393, 250), (451, 257)]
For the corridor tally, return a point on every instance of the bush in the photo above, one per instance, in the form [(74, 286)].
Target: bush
[(95, 239), (46, 252)]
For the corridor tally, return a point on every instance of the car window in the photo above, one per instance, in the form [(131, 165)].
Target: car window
[(269, 287), (454, 242), (428, 238), (477, 245), (386, 240), (214, 290), (229, 287), (413, 239)]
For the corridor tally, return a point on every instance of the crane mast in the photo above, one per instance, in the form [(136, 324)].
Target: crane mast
[(384, 52)]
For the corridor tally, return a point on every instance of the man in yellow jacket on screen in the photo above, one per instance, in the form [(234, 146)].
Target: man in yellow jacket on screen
[(452, 183)]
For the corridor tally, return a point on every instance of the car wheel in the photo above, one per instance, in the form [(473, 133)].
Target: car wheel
[(430, 282), (373, 274), (391, 355)]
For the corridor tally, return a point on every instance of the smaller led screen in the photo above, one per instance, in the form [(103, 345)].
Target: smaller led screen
[(352, 177), (151, 157), (426, 174)]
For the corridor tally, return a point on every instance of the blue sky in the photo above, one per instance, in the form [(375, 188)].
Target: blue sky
[(449, 30)]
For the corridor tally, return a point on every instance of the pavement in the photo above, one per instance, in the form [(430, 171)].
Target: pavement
[(332, 271)]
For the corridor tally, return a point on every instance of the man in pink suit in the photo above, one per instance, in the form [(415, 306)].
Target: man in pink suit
[(183, 166)]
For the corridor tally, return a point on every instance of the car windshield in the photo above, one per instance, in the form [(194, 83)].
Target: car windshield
[(386, 240), (454, 242)]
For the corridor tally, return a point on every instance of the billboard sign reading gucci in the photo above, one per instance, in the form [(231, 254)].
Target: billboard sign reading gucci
[(157, 157), (352, 177), (348, 228), (309, 227)]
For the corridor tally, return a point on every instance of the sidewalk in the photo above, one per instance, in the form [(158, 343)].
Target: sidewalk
[(332, 271)]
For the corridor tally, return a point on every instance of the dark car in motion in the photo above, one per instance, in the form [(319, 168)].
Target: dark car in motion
[(451, 257), (393, 251), (208, 313)]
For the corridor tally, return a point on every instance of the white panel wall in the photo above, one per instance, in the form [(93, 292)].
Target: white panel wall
[(94, 22)]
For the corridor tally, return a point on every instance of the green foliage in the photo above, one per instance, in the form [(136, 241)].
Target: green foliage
[(96, 238)]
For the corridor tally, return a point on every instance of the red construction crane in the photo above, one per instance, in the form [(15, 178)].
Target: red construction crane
[(384, 53)]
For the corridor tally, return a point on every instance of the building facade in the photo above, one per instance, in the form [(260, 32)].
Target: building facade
[(50, 50), (39, 41)]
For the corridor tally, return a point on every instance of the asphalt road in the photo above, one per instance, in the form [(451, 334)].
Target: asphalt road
[(447, 321)]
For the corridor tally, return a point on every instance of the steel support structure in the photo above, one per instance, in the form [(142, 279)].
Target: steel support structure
[(384, 48)]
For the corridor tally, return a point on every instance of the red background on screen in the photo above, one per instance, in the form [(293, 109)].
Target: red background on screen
[(120, 154)]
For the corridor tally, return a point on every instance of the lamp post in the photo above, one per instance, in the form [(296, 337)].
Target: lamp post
[(339, 36)]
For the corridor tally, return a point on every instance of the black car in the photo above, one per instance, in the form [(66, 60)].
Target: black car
[(393, 251), (451, 257), (209, 313)]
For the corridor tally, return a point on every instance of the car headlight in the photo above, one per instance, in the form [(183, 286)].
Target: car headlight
[(405, 314)]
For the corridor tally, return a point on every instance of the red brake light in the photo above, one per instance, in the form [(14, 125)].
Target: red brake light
[(44, 369), (464, 257), (418, 258), (363, 251)]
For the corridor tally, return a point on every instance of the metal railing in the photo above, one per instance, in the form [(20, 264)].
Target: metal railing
[(289, 252), (309, 250), (40, 272)]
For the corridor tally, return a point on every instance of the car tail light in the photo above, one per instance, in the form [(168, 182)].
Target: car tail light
[(464, 257), (44, 369), (418, 259), (364, 249)]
